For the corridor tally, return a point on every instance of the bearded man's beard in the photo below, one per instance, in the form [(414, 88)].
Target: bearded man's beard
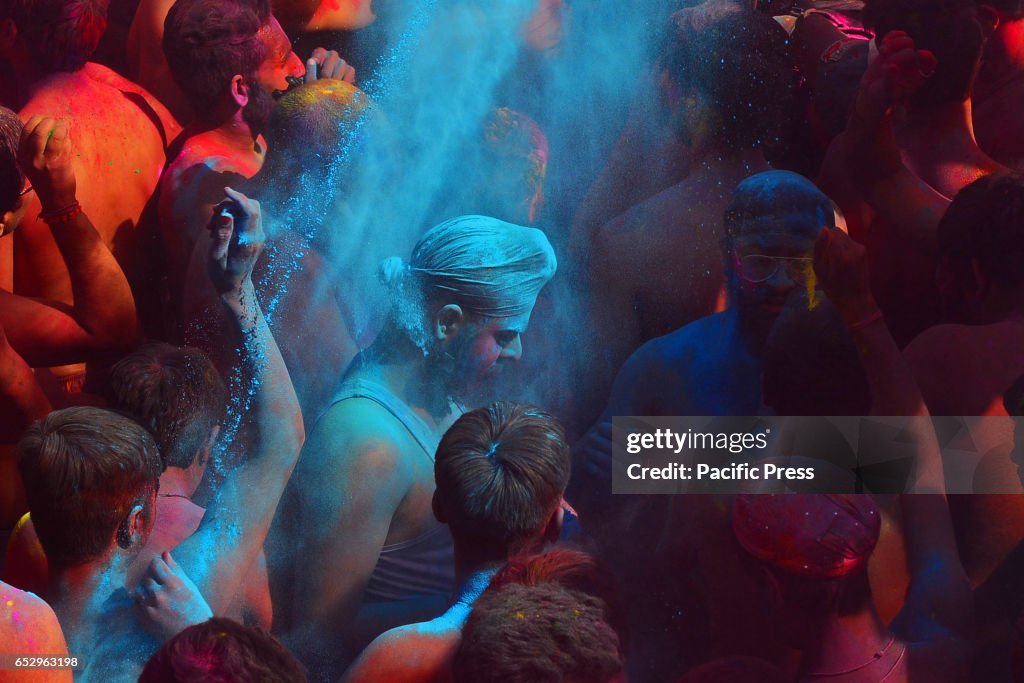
[(256, 112)]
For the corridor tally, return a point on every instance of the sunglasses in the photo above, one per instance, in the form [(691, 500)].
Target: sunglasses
[(757, 268)]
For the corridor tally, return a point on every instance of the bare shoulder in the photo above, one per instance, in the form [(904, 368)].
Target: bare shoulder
[(939, 345), (409, 653), (28, 625), (358, 435)]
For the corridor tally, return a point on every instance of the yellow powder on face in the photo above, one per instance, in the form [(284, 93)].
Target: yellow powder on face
[(812, 286)]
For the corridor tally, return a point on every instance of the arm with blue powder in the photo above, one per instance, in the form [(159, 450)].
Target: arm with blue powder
[(228, 542)]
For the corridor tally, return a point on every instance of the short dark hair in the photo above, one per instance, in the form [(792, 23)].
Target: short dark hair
[(537, 634), (949, 28), (84, 469), (985, 223), (208, 42), (176, 393), (61, 35), (222, 651), (11, 177), (569, 568), (500, 473), (772, 199), (741, 63)]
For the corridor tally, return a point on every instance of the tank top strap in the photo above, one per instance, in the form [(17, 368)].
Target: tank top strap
[(382, 396)]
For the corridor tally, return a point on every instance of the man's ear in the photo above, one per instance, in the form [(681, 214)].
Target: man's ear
[(207, 448), (132, 529), (554, 526), (239, 90), (448, 321), (8, 34), (990, 19)]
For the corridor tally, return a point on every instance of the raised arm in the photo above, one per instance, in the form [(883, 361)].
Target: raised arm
[(103, 319), (869, 143), (938, 609), (231, 535)]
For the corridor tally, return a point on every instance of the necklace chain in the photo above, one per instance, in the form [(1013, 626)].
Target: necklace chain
[(874, 658)]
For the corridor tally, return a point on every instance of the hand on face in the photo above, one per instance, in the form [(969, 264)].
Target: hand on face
[(841, 266)]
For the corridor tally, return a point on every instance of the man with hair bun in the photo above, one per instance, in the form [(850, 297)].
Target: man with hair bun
[(500, 473), (362, 494)]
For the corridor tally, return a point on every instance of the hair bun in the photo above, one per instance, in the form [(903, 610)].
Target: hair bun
[(393, 270)]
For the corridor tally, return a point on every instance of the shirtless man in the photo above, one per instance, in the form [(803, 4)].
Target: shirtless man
[(179, 396), (1000, 84), (308, 127), (529, 447), (118, 132), (820, 590), (147, 63), (935, 141), (228, 57), (966, 367), (92, 477), (361, 504), (658, 266)]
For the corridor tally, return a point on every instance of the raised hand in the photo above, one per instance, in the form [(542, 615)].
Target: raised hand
[(237, 231), (329, 64), (897, 73), (168, 599), (44, 156), (841, 266)]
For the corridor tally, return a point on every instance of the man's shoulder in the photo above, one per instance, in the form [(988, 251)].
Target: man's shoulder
[(358, 433), (414, 653), (678, 347)]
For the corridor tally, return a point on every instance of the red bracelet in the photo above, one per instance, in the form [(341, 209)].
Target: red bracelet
[(877, 315), (65, 215)]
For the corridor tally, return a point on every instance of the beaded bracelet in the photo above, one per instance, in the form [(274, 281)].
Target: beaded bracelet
[(65, 215)]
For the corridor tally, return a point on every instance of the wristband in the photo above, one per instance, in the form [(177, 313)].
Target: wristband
[(65, 215)]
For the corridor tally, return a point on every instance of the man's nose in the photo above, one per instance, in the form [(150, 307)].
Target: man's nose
[(294, 66), (513, 350)]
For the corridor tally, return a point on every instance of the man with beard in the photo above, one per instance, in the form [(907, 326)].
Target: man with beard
[(373, 555), (712, 366), (227, 56)]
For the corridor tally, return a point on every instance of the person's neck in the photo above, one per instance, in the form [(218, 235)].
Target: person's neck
[(231, 130), (20, 80), (951, 123), (75, 593), (179, 482), (844, 643), (472, 576), (399, 365)]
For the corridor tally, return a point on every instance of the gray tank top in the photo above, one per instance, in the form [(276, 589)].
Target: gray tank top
[(424, 565)]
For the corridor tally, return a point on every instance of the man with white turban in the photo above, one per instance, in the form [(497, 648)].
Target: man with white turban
[(360, 527)]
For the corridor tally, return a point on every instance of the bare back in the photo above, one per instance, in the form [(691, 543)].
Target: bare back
[(119, 147)]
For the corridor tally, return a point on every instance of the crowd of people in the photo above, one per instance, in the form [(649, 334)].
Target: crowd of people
[(315, 317)]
